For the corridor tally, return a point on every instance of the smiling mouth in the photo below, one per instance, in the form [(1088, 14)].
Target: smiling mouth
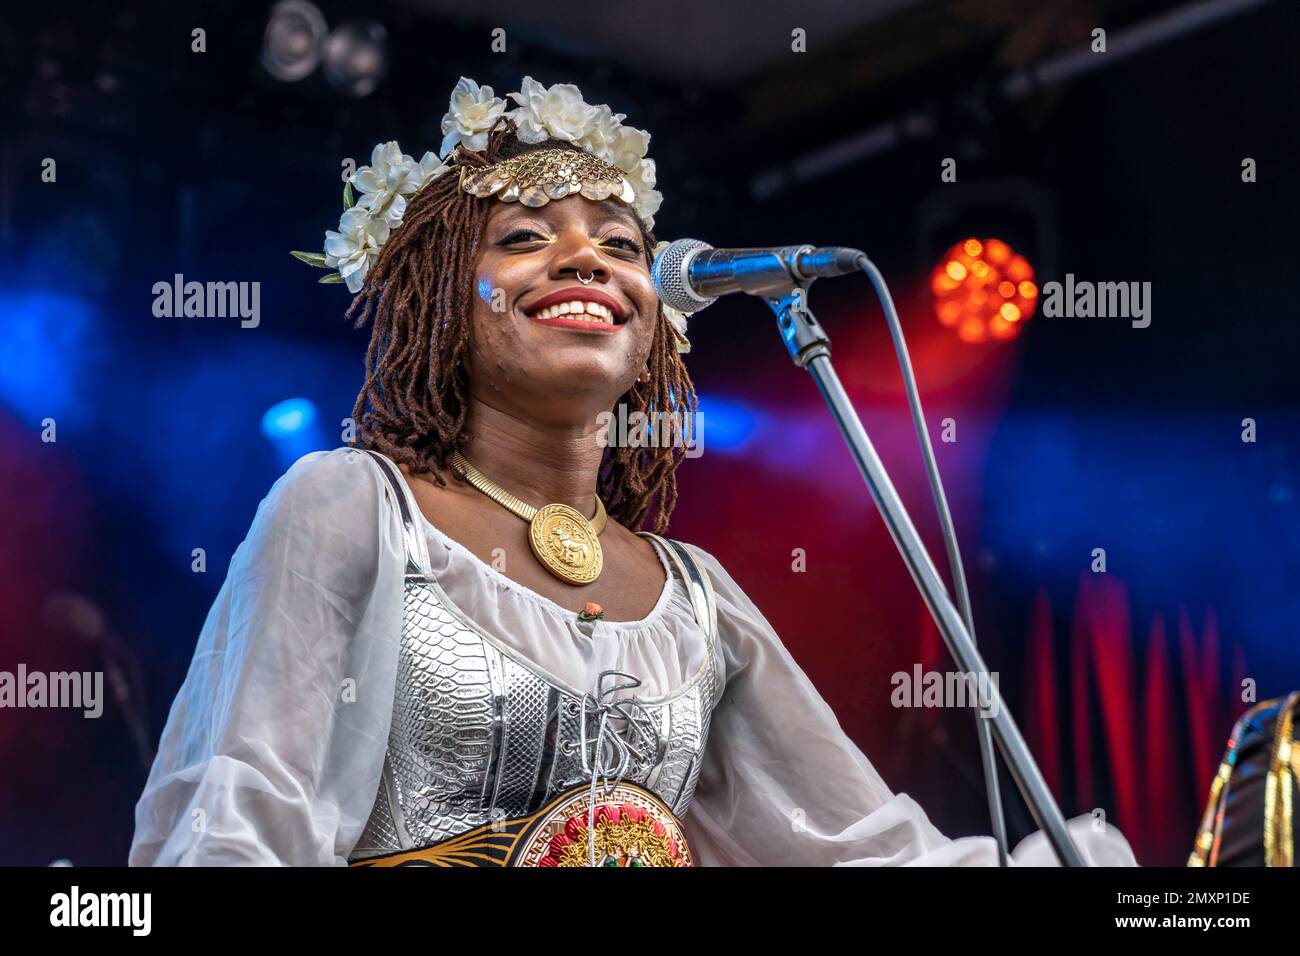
[(569, 313)]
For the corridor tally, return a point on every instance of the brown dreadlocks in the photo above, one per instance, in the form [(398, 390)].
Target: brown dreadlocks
[(419, 293)]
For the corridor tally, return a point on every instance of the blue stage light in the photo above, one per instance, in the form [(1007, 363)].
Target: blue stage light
[(289, 417), (725, 425), (50, 342)]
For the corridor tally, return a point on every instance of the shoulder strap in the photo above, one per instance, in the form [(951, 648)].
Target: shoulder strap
[(400, 495), (700, 590)]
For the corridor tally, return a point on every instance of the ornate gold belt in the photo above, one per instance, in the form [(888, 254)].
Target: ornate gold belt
[(630, 827)]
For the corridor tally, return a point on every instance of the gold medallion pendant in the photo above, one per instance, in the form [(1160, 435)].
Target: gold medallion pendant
[(566, 543)]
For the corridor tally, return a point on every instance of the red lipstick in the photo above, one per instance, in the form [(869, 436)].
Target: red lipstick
[(579, 294)]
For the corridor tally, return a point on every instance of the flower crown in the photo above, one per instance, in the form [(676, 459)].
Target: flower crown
[(557, 112)]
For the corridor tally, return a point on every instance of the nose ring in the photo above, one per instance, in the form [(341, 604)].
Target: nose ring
[(586, 281)]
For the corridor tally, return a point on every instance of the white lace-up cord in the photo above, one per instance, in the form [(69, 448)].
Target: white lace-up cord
[(621, 749)]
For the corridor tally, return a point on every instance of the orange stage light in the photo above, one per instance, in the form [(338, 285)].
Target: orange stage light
[(983, 289)]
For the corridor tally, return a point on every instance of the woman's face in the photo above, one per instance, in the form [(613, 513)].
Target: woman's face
[(557, 368)]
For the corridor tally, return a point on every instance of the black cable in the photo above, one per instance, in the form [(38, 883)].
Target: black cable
[(987, 754)]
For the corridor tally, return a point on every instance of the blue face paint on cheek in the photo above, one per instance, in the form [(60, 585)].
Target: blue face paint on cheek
[(484, 288)]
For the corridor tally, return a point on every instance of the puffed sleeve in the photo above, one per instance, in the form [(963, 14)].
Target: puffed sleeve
[(274, 745), (783, 785)]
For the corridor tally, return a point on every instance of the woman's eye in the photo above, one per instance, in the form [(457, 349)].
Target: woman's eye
[(532, 235), (630, 244), (519, 233)]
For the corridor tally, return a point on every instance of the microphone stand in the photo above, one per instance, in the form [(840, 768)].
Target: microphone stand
[(810, 348)]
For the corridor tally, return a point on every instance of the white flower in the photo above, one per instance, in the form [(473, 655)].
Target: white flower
[(558, 112), (646, 205), (472, 113), (648, 199), (527, 116), (355, 247), (385, 183), (630, 148), (390, 178), (431, 167), (603, 133)]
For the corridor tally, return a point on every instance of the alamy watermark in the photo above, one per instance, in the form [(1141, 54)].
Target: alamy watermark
[(1102, 300), (60, 689), (945, 689), (208, 300), (654, 430), (74, 908)]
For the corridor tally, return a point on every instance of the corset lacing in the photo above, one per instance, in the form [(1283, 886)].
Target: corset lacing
[(619, 753)]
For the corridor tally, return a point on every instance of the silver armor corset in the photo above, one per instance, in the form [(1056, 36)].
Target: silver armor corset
[(481, 734)]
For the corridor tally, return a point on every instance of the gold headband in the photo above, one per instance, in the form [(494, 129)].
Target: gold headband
[(535, 178)]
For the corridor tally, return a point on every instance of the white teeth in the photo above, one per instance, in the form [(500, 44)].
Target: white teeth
[(587, 311)]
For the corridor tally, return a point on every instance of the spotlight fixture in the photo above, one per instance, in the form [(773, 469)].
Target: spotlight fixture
[(356, 57), (291, 46)]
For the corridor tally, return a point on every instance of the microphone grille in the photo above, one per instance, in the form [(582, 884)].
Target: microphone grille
[(668, 272)]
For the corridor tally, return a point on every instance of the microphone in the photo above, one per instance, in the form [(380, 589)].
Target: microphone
[(75, 614), (690, 275), (71, 613)]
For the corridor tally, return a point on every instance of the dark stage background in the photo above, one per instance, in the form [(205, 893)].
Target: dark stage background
[(1075, 434)]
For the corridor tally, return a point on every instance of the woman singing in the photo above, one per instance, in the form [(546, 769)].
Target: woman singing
[(450, 642)]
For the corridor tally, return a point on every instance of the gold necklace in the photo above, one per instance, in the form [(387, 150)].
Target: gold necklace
[(561, 538)]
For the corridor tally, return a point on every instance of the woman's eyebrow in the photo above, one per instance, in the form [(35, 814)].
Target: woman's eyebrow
[(608, 209), (618, 210)]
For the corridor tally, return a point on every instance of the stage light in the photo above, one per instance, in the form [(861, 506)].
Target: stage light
[(983, 289), (356, 58), (52, 345), (291, 46), (289, 417), (294, 431), (724, 425)]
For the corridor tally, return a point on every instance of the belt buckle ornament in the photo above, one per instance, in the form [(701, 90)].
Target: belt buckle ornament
[(633, 827)]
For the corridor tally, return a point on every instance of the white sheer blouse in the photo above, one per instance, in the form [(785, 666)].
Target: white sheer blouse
[(274, 745)]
